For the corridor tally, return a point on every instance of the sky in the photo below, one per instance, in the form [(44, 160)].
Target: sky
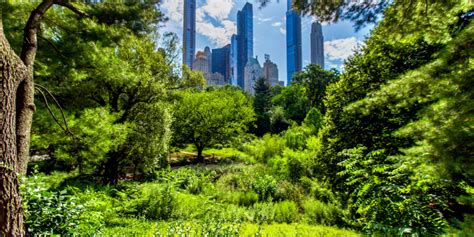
[(216, 22)]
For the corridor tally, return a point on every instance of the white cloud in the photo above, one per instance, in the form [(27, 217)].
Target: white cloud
[(212, 19), (173, 9), (340, 49), (218, 9), (283, 30), (276, 24), (262, 19)]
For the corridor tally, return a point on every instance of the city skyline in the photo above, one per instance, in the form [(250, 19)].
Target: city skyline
[(217, 22)]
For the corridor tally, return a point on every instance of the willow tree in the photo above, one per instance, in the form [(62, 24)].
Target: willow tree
[(16, 115)]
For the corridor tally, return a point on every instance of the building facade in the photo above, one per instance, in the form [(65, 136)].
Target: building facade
[(233, 60), (317, 44), (201, 63), (221, 62), (270, 71), (189, 32), (244, 41), (252, 72), (294, 58)]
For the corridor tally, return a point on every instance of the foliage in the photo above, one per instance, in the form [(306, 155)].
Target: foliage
[(265, 148), (262, 105), (318, 212), (314, 120), (278, 122), (208, 118), (49, 212), (92, 135), (156, 204), (385, 198), (286, 212), (294, 101), (148, 142), (315, 80)]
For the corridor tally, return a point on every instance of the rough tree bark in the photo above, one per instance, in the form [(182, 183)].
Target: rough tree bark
[(13, 71), (16, 116)]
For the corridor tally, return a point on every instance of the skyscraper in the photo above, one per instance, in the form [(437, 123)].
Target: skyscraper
[(221, 62), (244, 41), (293, 42), (233, 59), (207, 52), (270, 71), (252, 72), (189, 32), (317, 44)]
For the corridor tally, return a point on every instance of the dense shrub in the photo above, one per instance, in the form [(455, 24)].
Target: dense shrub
[(49, 212), (241, 198), (267, 147), (286, 212), (264, 213), (317, 212), (157, 203), (265, 186), (288, 191)]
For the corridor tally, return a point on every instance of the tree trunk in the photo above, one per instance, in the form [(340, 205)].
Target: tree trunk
[(13, 71), (200, 157)]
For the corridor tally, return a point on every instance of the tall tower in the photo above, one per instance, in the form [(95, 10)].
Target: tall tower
[(189, 32), (317, 44), (244, 41), (233, 59), (294, 59)]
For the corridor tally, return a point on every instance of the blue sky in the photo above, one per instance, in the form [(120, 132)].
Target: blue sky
[(216, 22)]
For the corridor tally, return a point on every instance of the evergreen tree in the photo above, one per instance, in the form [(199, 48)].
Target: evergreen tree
[(262, 105)]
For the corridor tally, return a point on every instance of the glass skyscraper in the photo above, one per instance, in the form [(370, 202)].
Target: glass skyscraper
[(233, 59), (221, 62), (189, 32), (293, 42), (317, 44), (244, 41)]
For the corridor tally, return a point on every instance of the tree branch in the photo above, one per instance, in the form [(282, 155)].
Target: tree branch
[(30, 44)]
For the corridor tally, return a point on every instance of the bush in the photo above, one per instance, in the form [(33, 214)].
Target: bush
[(264, 213), (265, 187), (296, 136), (286, 212), (267, 147), (48, 212), (244, 198), (318, 212), (318, 190), (288, 191), (157, 203)]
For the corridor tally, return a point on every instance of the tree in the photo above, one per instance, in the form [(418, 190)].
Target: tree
[(211, 117), (17, 113), (293, 100), (395, 117), (129, 66), (315, 80), (262, 106)]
